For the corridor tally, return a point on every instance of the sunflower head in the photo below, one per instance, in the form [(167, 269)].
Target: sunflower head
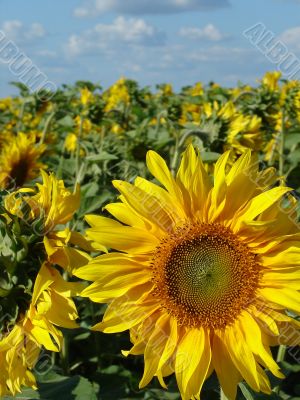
[(117, 95), (202, 272), (270, 80), (34, 297), (51, 202), (20, 161)]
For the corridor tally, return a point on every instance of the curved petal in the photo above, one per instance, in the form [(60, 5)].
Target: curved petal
[(193, 354), (154, 349), (228, 375)]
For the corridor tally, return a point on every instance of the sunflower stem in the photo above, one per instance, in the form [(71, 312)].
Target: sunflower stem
[(179, 144), (96, 338), (65, 355), (222, 395), (281, 148), (46, 127), (281, 353), (78, 151), (20, 116), (175, 156)]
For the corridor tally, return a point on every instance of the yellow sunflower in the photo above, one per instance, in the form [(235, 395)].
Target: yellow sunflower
[(51, 307), (116, 95), (244, 133), (20, 161), (271, 80), (42, 213), (202, 273), (47, 209)]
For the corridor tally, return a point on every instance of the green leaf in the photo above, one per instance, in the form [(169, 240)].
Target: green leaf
[(103, 156), (61, 387), (292, 139), (66, 121)]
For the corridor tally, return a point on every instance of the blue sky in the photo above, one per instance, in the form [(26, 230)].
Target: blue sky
[(152, 41)]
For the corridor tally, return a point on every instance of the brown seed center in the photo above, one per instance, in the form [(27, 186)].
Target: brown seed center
[(204, 275)]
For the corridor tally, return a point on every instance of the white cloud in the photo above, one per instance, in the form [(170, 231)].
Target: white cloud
[(15, 30), (90, 8), (291, 37), (12, 28), (209, 32), (107, 37), (36, 30)]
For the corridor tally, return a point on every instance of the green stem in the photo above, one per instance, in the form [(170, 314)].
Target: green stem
[(78, 151), (280, 357), (281, 146), (20, 116), (97, 338), (65, 355), (46, 127), (180, 142), (281, 353), (274, 147), (175, 156)]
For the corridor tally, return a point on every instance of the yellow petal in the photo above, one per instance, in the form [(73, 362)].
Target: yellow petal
[(43, 280), (254, 340), (154, 349), (157, 211), (228, 375), (124, 238), (125, 317), (171, 343), (158, 168), (287, 298), (111, 287), (192, 350), (260, 203), (241, 355)]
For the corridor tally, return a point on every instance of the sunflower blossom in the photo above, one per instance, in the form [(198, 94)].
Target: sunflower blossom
[(51, 307), (202, 272), (48, 208), (39, 296), (20, 160)]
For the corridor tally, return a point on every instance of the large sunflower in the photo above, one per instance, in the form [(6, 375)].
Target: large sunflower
[(20, 160), (203, 272)]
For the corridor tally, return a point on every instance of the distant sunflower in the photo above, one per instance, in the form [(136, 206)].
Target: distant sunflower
[(20, 161), (202, 274)]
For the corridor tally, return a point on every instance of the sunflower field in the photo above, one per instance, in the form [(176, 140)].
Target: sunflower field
[(150, 242)]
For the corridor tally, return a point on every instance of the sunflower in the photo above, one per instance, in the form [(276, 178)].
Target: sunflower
[(47, 209), (51, 306), (244, 133), (36, 299), (116, 95), (270, 80), (20, 161), (202, 272)]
